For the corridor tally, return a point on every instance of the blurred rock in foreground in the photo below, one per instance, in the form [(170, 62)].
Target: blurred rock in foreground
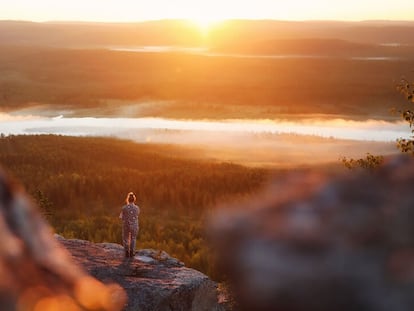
[(36, 272), (313, 242)]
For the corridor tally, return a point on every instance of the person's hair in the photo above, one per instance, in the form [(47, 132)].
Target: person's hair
[(130, 198)]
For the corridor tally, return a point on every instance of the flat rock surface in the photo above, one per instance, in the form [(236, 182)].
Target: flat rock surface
[(152, 279)]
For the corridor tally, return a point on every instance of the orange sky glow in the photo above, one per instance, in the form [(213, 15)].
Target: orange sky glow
[(204, 12)]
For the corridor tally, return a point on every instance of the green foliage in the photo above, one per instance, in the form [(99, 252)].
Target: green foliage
[(80, 185), (369, 162), (407, 89), (44, 204), (405, 145)]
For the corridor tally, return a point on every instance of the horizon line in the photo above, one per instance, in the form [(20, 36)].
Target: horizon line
[(217, 22)]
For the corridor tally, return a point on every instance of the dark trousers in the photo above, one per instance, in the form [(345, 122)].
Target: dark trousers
[(129, 238)]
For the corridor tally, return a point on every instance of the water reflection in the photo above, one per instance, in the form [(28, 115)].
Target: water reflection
[(204, 51)]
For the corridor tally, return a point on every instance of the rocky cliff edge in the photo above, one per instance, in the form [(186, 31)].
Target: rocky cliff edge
[(152, 279), (40, 271)]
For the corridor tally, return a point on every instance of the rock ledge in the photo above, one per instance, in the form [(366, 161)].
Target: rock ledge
[(153, 280)]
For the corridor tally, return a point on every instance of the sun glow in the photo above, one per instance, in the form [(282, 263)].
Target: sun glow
[(206, 15), (205, 24)]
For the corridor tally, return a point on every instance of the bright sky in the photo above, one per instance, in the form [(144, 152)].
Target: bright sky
[(205, 10)]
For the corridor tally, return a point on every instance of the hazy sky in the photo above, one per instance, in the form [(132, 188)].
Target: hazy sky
[(205, 10)]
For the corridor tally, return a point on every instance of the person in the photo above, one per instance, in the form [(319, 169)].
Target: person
[(130, 226)]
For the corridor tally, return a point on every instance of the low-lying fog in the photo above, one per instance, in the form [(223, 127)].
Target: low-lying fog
[(255, 142), (206, 52)]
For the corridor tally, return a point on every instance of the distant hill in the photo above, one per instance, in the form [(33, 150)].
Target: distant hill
[(75, 34), (345, 68), (377, 32), (185, 33)]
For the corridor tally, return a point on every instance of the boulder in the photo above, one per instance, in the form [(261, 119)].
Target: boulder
[(314, 242), (152, 279)]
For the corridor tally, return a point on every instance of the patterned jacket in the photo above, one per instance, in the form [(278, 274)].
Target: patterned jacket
[(129, 215)]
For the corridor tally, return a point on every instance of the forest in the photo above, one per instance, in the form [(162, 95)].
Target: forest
[(181, 85), (80, 184)]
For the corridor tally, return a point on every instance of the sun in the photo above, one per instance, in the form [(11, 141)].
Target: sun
[(205, 23), (206, 17)]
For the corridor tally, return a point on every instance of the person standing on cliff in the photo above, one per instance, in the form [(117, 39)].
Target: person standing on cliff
[(129, 215)]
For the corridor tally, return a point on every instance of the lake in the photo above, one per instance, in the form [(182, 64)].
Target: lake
[(255, 142), (370, 130), (202, 51)]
